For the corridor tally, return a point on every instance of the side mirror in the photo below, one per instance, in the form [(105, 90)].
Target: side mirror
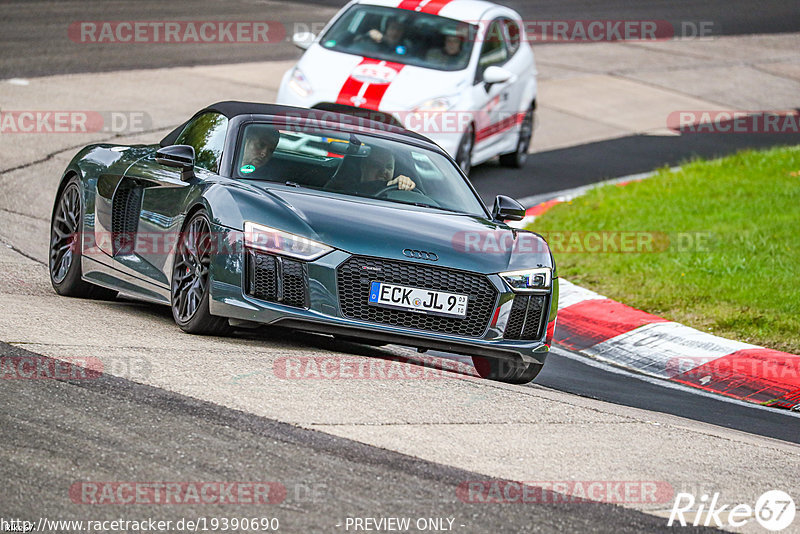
[(495, 74), (303, 40), (507, 209), (179, 157)]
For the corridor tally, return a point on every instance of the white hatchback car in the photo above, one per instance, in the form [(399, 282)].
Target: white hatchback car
[(457, 71)]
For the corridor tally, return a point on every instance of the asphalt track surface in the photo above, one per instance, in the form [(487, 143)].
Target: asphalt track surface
[(35, 38), (570, 167), (57, 432), (577, 375)]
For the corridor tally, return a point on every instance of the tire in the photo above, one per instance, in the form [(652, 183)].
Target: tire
[(64, 254), (518, 158), (464, 152), (190, 280), (505, 370)]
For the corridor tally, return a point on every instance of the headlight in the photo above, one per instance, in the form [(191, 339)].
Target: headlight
[(300, 84), (529, 280), (442, 103), (268, 239)]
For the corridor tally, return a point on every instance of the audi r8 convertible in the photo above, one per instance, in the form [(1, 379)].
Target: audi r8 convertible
[(251, 214), (458, 71)]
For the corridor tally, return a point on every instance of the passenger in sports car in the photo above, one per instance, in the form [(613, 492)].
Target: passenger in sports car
[(376, 172), (258, 149)]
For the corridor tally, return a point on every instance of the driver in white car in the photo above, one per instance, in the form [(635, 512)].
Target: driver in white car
[(377, 170), (392, 41)]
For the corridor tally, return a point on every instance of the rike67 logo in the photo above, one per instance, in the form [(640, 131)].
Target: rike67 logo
[(774, 510)]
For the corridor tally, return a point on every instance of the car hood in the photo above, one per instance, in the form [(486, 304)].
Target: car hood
[(333, 74), (385, 229)]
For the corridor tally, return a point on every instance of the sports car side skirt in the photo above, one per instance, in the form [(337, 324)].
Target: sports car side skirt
[(103, 275)]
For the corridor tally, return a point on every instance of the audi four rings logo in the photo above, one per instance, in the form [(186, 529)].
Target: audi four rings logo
[(420, 254)]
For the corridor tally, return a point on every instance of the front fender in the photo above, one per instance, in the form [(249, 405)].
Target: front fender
[(231, 204)]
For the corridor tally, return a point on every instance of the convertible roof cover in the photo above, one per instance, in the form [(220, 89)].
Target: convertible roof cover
[(232, 108)]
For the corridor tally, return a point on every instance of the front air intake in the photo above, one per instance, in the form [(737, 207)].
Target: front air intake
[(277, 279), (526, 319)]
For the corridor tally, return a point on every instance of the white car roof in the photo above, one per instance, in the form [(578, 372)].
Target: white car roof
[(463, 10)]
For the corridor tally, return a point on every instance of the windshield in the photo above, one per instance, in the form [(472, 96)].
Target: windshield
[(361, 166), (402, 36)]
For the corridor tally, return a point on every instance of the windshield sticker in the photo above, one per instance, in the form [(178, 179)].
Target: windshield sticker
[(247, 169)]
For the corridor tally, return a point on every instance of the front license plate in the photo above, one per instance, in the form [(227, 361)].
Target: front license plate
[(418, 300)]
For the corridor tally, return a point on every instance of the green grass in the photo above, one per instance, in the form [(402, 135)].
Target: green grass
[(743, 282)]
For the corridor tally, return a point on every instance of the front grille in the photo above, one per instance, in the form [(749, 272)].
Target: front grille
[(525, 321), (277, 279), (355, 275)]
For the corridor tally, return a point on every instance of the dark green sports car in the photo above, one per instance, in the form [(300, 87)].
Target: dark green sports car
[(252, 214)]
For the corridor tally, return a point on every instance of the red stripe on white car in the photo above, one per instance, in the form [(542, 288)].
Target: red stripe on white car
[(351, 87), (409, 4), (374, 92), (499, 127), (367, 94), (432, 7)]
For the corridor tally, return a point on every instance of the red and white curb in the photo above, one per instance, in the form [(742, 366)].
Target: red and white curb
[(609, 331), (612, 332)]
